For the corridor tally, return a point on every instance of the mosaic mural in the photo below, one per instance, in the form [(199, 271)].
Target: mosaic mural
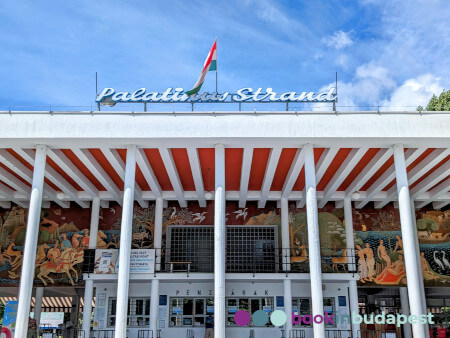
[(64, 234)]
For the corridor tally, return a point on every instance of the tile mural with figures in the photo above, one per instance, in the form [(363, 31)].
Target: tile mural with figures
[(64, 234)]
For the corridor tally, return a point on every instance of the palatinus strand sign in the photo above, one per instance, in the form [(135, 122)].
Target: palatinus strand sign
[(247, 94)]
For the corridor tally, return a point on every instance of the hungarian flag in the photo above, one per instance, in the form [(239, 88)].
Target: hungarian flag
[(210, 65)]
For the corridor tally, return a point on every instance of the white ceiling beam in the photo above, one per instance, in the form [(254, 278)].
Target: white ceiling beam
[(70, 169), (10, 195), (230, 195), (53, 175), (100, 174), (417, 172), (20, 169), (440, 190), (341, 174), (245, 176), (392, 191), (434, 178), (119, 166), (147, 171), (169, 163), (5, 205), (440, 205), (272, 163), (387, 177), (322, 165), (293, 173), (196, 170), (368, 171)]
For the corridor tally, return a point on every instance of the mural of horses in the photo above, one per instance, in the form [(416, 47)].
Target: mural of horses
[(69, 258)]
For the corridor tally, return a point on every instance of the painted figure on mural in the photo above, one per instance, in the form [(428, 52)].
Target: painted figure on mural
[(54, 255), (362, 264), (65, 243), (382, 253), (85, 240), (76, 240), (393, 274), (427, 273), (399, 245), (370, 261)]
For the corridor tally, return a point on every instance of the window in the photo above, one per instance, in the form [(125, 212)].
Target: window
[(138, 313), (190, 311), (250, 305), (249, 248), (302, 306)]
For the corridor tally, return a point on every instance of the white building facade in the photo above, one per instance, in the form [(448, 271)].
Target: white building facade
[(242, 211)]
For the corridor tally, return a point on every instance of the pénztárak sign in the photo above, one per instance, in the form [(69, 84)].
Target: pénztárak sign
[(247, 94)]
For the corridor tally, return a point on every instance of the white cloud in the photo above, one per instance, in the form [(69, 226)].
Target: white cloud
[(414, 92), (373, 87), (339, 40), (370, 83)]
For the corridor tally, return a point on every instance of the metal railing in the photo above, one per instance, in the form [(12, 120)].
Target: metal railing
[(338, 333), (256, 260), (149, 334), (297, 333), (370, 333), (214, 107), (190, 333), (102, 334), (61, 333)]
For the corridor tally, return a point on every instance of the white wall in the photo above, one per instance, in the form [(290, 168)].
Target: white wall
[(185, 289)]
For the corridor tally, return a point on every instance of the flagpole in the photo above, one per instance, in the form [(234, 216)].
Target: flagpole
[(216, 65)]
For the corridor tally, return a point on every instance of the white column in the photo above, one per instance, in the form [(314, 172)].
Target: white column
[(349, 238), (285, 251), (288, 306), (39, 294), (407, 333), (312, 217), (157, 235), (219, 243), (31, 237), (422, 288), (154, 303), (409, 245), (89, 284), (123, 278), (354, 305)]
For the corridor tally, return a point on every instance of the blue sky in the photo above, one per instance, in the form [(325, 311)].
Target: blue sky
[(386, 52)]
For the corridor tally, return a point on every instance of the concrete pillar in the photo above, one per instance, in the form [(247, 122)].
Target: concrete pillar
[(408, 237), (219, 243), (313, 241), (285, 243), (31, 237), (39, 295), (154, 303), (123, 278), (75, 309), (288, 306), (89, 283), (407, 333), (354, 305), (157, 236), (350, 240), (422, 287)]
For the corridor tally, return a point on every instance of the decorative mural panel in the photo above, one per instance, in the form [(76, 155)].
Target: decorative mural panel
[(380, 248), (63, 234)]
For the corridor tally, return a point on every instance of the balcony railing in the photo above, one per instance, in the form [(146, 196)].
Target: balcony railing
[(256, 260)]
